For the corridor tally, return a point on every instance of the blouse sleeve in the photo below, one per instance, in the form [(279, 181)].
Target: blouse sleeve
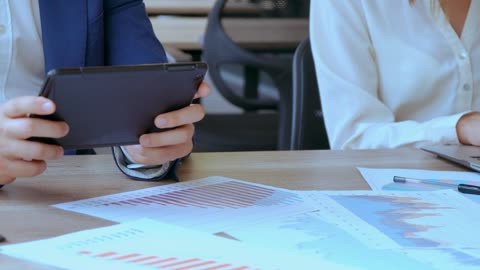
[(348, 78)]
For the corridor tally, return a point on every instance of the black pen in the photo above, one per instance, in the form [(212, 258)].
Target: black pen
[(463, 188)]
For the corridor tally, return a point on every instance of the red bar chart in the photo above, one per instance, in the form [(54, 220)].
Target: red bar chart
[(157, 262), (231, 194), (212, 204)]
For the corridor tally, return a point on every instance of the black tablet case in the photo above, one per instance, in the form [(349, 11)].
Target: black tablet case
[(108, 106)]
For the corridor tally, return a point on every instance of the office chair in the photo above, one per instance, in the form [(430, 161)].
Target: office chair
[(308, 128), (256, 129), (284, 8)]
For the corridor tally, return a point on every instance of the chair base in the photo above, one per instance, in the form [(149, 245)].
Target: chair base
[(237, 132)]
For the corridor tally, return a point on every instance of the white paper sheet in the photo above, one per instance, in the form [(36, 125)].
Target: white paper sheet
[(382, 179), (206, 204), (313, 223), (147, 244)]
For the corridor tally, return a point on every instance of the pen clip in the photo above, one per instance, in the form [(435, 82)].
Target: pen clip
[(469, 189)]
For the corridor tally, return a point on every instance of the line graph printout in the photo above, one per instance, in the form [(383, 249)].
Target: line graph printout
[(382, 179), (147, 244), (313, 235), (208, 204), (433, 227), (441, 219)]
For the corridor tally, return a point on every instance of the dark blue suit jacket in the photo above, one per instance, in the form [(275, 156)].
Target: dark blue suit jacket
[(80, 33), (97, 32)]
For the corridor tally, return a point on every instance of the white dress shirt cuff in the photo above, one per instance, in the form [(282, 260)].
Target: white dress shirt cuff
[(140, 171), (443, 130)]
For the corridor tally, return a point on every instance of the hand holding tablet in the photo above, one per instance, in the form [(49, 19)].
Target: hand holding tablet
[(108, 106)]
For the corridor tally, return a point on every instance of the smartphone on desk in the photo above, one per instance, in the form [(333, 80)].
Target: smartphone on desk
[(115, 105)]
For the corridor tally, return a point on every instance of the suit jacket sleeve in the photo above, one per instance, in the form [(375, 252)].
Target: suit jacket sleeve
[(130, 39)]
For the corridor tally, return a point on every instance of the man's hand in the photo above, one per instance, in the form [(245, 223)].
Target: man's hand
[(161, 147), (18, 156)]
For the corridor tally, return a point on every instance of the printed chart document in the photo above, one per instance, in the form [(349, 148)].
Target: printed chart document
[(350, 228), (207, 204), (147, 244), (382, 179), (432, 227)]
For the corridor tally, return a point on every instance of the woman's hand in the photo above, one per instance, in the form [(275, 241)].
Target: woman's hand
[(468, 129)]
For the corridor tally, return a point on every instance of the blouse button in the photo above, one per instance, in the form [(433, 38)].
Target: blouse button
[(463, 56), (466, 87)]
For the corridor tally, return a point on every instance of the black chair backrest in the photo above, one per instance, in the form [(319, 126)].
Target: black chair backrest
[(308, 128), (284, 8), (219, 49)]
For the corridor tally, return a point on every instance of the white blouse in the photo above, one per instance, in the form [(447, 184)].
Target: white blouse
[(393, 74)]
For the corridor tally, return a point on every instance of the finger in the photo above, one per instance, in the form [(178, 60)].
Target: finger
[(22, 106), (22, 168), (203, 90), (171, 137), (5, 180), (24, 128), (159, 155), (184, 116), (27, 150)]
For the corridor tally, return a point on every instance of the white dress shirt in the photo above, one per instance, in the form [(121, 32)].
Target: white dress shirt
[(22, 68), (393, 74)]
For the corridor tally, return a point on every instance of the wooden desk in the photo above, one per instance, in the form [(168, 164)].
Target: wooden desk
[(26, 215), (186, 33), (196, 7)]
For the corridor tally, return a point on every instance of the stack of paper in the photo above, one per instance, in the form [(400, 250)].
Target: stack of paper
[(241, 225), (147, 244)]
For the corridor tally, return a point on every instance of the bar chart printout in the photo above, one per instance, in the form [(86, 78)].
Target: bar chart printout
[(267, 217), (147, 244), (208, 204)]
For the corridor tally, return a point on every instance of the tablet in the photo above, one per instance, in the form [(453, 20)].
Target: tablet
[(115, 105)]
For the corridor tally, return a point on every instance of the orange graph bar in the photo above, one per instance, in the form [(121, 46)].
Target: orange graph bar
[(161, 261), (106, 254), (143, 259), (218, 267), (127, 256), (192, 266), (179, 263)]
